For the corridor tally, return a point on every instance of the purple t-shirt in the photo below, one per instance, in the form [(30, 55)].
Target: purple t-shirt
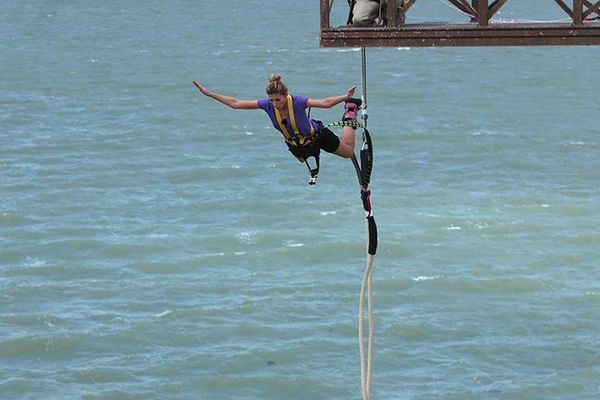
[(302, 120)]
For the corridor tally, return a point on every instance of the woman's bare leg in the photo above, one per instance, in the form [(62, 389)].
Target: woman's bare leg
[(347, 141)]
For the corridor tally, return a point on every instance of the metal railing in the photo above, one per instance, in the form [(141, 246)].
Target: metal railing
[(481, 11)]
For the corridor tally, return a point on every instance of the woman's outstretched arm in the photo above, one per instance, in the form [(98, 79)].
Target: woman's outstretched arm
[(331, 101), (228, 100)]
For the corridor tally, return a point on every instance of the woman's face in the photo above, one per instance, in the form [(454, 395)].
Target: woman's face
[(279, 101)]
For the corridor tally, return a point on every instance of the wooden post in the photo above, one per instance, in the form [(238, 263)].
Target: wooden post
[(577, 12), (325, 11), (482, 12), (392, 13)]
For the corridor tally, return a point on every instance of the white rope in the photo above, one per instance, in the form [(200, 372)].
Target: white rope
[(366, 346)]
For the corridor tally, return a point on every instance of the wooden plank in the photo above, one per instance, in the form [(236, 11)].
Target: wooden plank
[(468, 34)]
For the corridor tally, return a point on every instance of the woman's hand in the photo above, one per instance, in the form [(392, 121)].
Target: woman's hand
[(201, 88), (350, 92), (331, 101)]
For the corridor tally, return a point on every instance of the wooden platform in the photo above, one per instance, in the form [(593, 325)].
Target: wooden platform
[(467, 34), (578, 28)]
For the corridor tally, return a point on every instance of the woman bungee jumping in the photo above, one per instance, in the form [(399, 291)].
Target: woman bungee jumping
[(303, 136)]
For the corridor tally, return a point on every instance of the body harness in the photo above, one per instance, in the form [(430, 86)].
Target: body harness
[(303, 148)]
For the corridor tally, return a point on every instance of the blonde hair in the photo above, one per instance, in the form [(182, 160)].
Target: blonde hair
[(276, 85)]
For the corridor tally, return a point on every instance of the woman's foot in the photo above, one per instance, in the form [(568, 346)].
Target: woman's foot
[(351, 107)]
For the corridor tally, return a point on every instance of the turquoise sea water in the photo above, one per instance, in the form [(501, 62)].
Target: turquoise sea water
[(155, 244)]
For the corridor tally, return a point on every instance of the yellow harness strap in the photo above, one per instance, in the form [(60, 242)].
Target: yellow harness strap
[(283, 128)]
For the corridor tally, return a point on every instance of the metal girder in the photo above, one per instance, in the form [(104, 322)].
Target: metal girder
[(592, 8), (480, 31), (434, 35)]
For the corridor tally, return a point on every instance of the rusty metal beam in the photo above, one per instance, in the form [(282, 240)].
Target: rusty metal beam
[(577, 12), (482, 12), (465, 7), (392, 13), (565, 7), (407, 4), (494, 7), (325, 8), (434, 35), (592, 8)]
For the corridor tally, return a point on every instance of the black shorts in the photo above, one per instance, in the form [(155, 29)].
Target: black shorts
[(328, 140)]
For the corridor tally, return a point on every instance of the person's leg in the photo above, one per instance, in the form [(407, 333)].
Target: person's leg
[(365, 12), (342, 146), (347, 141)]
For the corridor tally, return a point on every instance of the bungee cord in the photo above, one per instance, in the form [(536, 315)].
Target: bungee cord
[(366, 289)]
